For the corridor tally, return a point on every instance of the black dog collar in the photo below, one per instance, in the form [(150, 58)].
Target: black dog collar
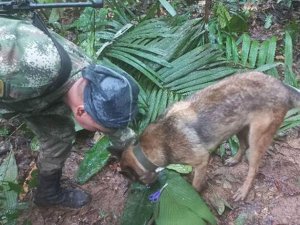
[(143, 160)]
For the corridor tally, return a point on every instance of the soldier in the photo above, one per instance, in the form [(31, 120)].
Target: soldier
[(33, 86)]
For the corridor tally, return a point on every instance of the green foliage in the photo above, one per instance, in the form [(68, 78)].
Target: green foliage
[(35, 144), (9, 190), (287, 3), (93, 161), (226, 21), (268, 21), (179, 203), (138, 208), (251, 54), (183, 169), (167, 57), (222, 14), (291, 120), (290, 77), (4, 131), (293, 28)]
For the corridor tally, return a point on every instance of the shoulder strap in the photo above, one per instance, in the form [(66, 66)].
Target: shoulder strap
[(65, 61)]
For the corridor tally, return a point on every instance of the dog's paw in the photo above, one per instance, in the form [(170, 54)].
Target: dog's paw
[(241, 194), (231, 161)]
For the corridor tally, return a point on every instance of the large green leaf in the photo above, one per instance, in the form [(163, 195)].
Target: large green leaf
[(180, 204), (94, 160)]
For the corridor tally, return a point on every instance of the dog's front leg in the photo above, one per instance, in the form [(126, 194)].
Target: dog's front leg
[(200, 167)]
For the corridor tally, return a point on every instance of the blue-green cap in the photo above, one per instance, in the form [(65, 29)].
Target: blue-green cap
[(110, 96)]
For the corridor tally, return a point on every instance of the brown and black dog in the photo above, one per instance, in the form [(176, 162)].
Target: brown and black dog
[(251, 105)]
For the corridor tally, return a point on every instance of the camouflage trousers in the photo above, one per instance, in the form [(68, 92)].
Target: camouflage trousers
[(55, 131), (56, 134)]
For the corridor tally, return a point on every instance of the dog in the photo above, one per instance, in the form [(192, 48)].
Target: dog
[(251, 105)]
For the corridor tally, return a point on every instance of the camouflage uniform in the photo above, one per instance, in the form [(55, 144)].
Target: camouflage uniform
[(30, 62)]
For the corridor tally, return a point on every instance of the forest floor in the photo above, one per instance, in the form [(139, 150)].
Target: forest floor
[(273, 200)]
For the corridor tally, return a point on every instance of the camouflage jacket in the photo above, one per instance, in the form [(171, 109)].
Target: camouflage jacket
[(30, 62)]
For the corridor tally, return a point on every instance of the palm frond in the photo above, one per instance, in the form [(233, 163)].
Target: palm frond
[(290, 77)]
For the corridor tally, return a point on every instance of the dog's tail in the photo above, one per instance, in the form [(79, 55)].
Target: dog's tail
[(294, 96)]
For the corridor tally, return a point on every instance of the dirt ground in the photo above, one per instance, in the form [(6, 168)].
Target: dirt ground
[(273, 200)]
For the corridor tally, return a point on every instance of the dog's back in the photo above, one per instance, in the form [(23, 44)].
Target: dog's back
[(221, 110)]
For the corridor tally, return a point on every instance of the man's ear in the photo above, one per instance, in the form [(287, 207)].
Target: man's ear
[(80, 110)]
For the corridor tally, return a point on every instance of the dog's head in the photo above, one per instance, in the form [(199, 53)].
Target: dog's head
[(133, 169)]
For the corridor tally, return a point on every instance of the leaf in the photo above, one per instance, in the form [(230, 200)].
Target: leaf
[(241, 219), (4, 132), (234, 144), (253, 53), (263, 51), (271, 55), (290, 77), (8, 178), (292, 119), (180, 203), (168, 7), (228, 48), (206, 81), (266, 67), (137, 207), (14, 187), (221, 151), (222, 14), (8, 168), (94, 160), (268, 21), (179, 168), (152, 108), (35, 144), (235, 53), (145, 55), (156, 105), (245, 48), (219, 203), (137, 64)]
